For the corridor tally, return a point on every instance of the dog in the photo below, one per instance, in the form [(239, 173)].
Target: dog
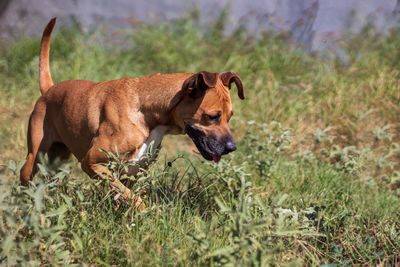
[(132, 115)]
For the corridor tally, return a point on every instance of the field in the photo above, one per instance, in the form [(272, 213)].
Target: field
[(315, 179)]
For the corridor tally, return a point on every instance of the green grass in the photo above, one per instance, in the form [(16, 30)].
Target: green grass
[(319, 187)]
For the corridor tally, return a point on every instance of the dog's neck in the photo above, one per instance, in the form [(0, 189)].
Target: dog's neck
[(157, 111)]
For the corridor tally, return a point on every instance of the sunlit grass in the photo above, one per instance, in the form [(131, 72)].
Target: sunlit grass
[(320, 187)]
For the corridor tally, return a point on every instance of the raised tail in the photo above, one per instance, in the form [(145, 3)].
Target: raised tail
[(45, 81)]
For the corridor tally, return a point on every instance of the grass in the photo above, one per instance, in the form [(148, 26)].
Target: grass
[(319, 187)]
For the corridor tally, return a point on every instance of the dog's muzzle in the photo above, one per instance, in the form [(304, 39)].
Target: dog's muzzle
[(210, 147)]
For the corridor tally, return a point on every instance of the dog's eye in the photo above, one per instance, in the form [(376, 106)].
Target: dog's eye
[(215, 117)]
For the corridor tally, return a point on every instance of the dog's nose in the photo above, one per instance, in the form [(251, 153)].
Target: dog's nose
[(230, 146)]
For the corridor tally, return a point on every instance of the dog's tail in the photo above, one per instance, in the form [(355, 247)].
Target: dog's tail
[(45, 81)]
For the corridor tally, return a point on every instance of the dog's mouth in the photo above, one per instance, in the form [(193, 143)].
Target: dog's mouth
[(207, 155), (203, 143), (216, 158)]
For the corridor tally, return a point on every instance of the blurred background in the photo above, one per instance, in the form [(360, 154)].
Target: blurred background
[(315, 180), (315, 24)]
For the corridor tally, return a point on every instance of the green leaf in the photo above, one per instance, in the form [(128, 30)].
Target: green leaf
[(77, 242)]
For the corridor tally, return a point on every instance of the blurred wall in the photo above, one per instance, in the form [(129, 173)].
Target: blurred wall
[(316, 24)]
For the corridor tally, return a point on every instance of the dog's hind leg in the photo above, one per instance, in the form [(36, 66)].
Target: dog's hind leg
[(39, 140)]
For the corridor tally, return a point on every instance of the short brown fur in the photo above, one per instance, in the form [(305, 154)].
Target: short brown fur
[(81, 117)]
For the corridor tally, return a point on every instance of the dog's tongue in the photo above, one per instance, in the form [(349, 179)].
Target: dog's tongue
[(216, 158)]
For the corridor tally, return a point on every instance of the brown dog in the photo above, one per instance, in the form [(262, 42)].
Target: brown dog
[(82, 117)]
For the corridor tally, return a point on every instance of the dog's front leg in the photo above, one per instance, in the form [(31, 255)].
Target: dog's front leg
[(91, 165)]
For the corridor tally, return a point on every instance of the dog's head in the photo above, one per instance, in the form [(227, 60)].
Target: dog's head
[(205, 110)]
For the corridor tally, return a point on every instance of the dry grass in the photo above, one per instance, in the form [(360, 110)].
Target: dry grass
[(330, 196)]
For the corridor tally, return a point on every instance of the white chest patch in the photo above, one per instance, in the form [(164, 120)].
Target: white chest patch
[(152, 143)]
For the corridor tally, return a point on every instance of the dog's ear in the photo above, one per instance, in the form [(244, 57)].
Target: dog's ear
[(228, 78), (197, 84)]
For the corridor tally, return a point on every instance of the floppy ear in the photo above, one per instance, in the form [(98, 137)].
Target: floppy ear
[(228, 78), (197, 84)]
